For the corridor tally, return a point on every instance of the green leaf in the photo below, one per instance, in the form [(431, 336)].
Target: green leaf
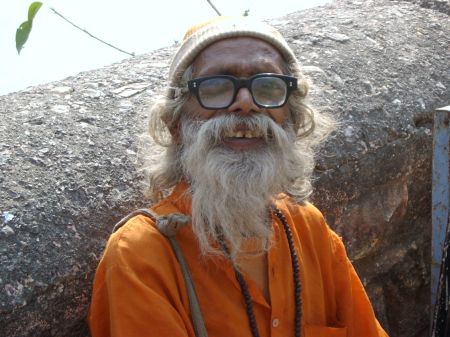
[(22, 35), (24, 29), (33, 9)]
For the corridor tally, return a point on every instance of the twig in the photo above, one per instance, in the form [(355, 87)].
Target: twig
[(214, 7), (85, 31)]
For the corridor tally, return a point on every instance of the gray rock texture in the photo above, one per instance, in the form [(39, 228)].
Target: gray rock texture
[(68, 152), (439, 5)]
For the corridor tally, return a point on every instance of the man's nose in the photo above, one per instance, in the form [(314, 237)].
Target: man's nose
[(243, 102)]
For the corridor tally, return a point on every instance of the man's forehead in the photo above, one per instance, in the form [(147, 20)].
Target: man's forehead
[(240, 68), (247, 43), (237, 54)]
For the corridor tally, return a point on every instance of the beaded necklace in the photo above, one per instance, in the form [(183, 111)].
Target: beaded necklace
[(296, 275)]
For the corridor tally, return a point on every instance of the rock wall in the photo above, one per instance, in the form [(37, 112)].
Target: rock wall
[(442, 6), (68, 152)]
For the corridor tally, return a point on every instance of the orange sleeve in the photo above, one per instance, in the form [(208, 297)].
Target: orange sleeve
[(136, 289), (353, 305)]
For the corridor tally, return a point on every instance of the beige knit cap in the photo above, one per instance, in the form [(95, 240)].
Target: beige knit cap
[(199, 37)]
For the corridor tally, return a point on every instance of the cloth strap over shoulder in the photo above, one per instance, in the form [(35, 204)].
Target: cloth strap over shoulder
[(169, 225)]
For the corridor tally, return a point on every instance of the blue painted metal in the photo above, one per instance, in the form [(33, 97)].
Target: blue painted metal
[(440, 196)]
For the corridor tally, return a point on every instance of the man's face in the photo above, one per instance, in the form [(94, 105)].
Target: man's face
[(238, 158), (240, 57)]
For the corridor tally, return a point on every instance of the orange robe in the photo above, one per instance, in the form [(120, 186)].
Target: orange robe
[(139, 289)]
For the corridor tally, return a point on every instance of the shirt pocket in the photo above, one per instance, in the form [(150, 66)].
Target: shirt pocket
[(324, 331)]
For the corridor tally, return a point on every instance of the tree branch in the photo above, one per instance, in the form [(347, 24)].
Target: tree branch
[(85, 31), (214, 7)]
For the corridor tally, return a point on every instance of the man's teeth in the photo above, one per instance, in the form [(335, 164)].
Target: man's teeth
[(242, 134)]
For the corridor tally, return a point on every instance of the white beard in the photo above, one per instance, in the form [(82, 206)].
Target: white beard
[(232, 190)]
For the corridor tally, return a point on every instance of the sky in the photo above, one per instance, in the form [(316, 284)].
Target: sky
[(56, 50)]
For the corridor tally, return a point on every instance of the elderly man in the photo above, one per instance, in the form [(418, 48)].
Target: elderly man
[(255, 258)]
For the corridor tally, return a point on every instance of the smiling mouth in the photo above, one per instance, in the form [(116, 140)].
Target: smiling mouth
[(243, 134), (243, 140)]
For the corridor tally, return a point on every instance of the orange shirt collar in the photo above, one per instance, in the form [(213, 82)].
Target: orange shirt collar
[(181, 197)]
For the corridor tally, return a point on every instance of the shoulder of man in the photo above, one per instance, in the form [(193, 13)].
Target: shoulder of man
[(140, 259), (137, 236), (311, 227), (306, 218), (304, 212)]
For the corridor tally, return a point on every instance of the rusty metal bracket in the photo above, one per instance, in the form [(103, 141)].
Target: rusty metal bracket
[(440, 202)]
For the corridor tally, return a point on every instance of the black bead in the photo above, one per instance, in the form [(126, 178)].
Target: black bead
[(296, 276)]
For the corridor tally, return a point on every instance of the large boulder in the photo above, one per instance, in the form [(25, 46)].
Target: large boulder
[(439, 5), (68, 152)]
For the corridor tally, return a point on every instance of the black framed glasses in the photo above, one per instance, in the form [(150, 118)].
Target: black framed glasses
[(219, 91)]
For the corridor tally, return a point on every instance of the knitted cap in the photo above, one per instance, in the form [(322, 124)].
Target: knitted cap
[(201, 36)]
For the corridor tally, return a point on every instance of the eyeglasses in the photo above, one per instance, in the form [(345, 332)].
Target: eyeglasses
[(219, 91)]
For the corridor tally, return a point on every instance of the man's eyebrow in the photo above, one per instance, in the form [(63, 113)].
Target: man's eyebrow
[(216, 70), (221, 70)]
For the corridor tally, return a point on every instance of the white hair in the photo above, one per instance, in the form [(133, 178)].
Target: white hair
[(310, 127), (232, 190)]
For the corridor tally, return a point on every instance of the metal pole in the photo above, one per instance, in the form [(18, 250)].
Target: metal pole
[(440, 196)]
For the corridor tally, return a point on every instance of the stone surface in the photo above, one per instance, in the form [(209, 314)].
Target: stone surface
[(439, 5), (68, 152)]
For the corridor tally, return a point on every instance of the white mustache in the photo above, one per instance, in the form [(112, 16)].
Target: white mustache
[(218, 128)]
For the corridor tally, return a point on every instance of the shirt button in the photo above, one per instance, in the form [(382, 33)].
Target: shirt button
[(275, 322)]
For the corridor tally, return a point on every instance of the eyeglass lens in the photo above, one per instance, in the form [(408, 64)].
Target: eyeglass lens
[(216, 92), (269, 91), (219, 92)]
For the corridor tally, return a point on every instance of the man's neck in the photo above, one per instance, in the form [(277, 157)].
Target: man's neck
[(254, 263)]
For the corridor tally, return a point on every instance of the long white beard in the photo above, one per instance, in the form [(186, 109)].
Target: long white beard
[(232, 190)]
